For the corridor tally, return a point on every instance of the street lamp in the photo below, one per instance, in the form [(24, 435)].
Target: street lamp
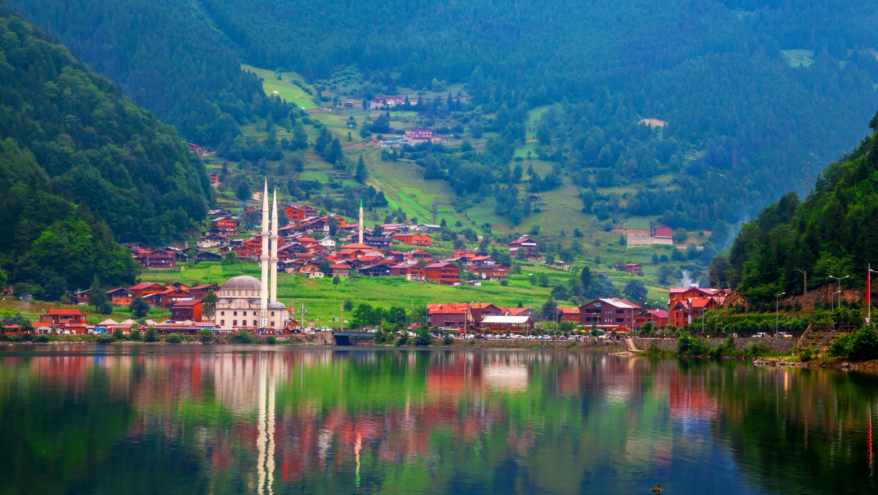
[(838, 283), (776, 312), (832, 300)]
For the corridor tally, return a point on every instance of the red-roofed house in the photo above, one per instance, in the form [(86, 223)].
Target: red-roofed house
[(662, 232), (448, 315), (413, 239), (187, 310), (120, 296), (145, 289), (658, 317), (444, 273), (67, 319), (297, 212), (531, 247), (568, 314)]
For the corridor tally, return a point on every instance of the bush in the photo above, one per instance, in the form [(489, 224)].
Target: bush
[(423, 338), (864, 344), (104, 339), (241, 338), (10, 338), (135, 335), (206, 335), (118, 334), (860, 346), (150, 335), (806, 355), (756, 349), (841, 346), (403, 340), (42, 339), (448, 340), (688, 346), (174, 338), (271, 340)]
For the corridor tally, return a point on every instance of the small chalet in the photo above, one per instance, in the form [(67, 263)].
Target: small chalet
[(657, 317), (213, 240), (444, 273), (226, 225), (632, 268), (199, 291), (414, 239), (143, 290), (568, 314), (120, 296), (376, 270), (67, 319), (207, 256), (530, 246), (187, 310), (495, 273), (661, 232), (214, 179), (377, 242), (340, 270), (296, 212)]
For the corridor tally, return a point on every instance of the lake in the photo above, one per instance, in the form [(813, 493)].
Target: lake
[(276, 420)]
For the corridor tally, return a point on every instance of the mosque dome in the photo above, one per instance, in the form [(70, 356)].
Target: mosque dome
[(242, 282), (276, 305)]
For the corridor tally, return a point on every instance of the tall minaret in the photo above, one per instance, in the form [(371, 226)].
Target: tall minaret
[(273, 293), (263, 296), (361, 221)]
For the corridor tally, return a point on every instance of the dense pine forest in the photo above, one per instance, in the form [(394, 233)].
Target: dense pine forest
[(834, 231), (82, 167), (166, 58)]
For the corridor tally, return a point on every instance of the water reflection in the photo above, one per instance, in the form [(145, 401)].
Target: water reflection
[(373, 421)]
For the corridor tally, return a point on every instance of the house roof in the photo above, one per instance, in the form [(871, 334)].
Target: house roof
[(514, 320), (515, 311), (702, 302), (571, 311), (142, 286), (439, 265), (188, 303), (64, 312)]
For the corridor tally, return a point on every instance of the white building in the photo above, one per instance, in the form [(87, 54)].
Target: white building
[(247, 302)]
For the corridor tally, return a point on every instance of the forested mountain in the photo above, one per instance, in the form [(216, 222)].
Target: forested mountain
[(737, 112), (80, 165), (166, 59), (750, 90), (833, 232)]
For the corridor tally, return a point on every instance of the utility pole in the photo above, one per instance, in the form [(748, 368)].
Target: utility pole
[(803, 272)]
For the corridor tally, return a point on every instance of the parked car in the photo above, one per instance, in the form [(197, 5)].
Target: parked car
[(760, 335), (784, 335)]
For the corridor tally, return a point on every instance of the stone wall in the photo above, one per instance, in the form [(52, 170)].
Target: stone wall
[(776, 345)]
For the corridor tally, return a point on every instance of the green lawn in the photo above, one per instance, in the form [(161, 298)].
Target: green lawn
[(284, 88)]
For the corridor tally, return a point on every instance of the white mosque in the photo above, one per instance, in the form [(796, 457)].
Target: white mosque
[(247, 302)]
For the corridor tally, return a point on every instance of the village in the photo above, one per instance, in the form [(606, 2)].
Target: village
[(316, 247)]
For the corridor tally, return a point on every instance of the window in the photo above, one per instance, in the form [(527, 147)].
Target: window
[(272, 314), (244, 323), (222, 313), (244, 313), (222, 323), (272, 324), (236, 313), (235, 323)]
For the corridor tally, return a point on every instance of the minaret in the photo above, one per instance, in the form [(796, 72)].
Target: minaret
[(263, 296), (273, 293), (361, 221)]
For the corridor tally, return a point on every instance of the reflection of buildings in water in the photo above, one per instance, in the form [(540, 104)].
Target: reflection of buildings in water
[(688, 399), (510, 377)]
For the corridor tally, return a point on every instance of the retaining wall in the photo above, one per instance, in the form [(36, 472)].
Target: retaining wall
[(775, 344)]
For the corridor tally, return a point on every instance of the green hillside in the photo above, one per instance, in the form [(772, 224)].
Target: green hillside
[(832, 232), (82, 166)]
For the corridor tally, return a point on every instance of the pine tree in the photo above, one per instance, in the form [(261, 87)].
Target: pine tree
[(362, 173)]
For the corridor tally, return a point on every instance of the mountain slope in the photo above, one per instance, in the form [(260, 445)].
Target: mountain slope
[(81, 167), (95, 146), (166, 59), (833, 232)]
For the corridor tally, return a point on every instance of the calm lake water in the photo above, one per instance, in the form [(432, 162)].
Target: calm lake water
[(113, 420)]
